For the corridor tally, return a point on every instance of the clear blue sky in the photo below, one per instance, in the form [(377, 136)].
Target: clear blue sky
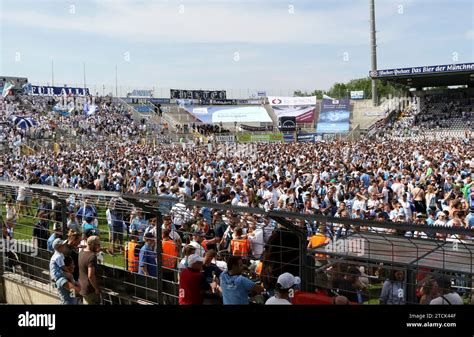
[(227, 44)]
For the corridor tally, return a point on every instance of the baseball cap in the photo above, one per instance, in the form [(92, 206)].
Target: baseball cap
[(58, 243), (194, 258), (287, 280)]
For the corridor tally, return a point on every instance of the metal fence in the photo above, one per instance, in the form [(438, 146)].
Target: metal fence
[(332, 256)]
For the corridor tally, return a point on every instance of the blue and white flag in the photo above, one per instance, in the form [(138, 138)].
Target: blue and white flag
[(63, 111), (27, 88), (89, 110), (23, 122)]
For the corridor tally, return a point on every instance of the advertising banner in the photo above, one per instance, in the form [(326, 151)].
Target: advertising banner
[(277, 100), (225, 138), (58, 91), (300, 107), (256, 128), (287, 123), (230, 114), (159, 100), (197, 94), (334, 116), (270, 137), (357, 94), (447, 68)]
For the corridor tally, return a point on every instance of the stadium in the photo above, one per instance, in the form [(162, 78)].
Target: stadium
[(179, 195)]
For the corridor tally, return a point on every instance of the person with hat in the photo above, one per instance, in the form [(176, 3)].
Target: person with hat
[(284, 289), (147, 264), (57, 234), (56, 263), (187, 251), (192, 282), (90, 288)]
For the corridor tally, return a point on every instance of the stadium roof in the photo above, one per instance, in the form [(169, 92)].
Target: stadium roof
[(428, 76), (403, 251)]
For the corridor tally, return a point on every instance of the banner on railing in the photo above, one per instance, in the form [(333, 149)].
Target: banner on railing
[(159, 100), (58, 91), (302, 137), (269, 137), (198, 94), (224, 138), (256, 128)]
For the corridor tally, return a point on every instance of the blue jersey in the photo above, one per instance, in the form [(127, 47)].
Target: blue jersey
[(147, 258)]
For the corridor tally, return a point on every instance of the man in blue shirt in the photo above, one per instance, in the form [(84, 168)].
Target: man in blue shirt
[(139, 224), (87, 210), (147, 264), (58, 233), (235, 287)]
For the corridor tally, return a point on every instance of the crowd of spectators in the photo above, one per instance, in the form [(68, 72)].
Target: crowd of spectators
[(397, 181)]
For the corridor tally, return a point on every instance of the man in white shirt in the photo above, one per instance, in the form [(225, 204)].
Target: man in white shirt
[(255, 236), (283, 289)]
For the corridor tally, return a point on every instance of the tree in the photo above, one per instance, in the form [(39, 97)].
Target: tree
[(342, 90)]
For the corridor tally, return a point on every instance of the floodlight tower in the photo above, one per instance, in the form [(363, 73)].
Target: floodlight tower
[(373, 48)]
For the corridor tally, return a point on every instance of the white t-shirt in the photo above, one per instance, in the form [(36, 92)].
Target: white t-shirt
[(277, 301), (256, 242), (453, 298)]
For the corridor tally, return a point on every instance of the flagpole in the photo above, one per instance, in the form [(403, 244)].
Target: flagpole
[(116, 81), (84, 76), (52, 73)]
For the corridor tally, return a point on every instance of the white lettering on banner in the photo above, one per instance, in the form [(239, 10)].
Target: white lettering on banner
[(37, 320), (227, 138), (275, 100)]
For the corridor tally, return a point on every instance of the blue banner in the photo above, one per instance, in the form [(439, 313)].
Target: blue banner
[(447, 68), (307, 137), (289, 138), (58, 91), (334, 116), (159, 100)]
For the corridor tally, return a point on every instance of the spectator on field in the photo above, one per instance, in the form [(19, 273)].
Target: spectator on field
[(147, 264), (88, 277)]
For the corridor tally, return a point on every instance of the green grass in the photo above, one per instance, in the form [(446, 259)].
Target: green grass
[(25, 224)]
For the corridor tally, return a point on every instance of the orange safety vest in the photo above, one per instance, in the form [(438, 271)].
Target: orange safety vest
[(131, 258), (258, 270), (240, 247), (169, 255), (318, 240)]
